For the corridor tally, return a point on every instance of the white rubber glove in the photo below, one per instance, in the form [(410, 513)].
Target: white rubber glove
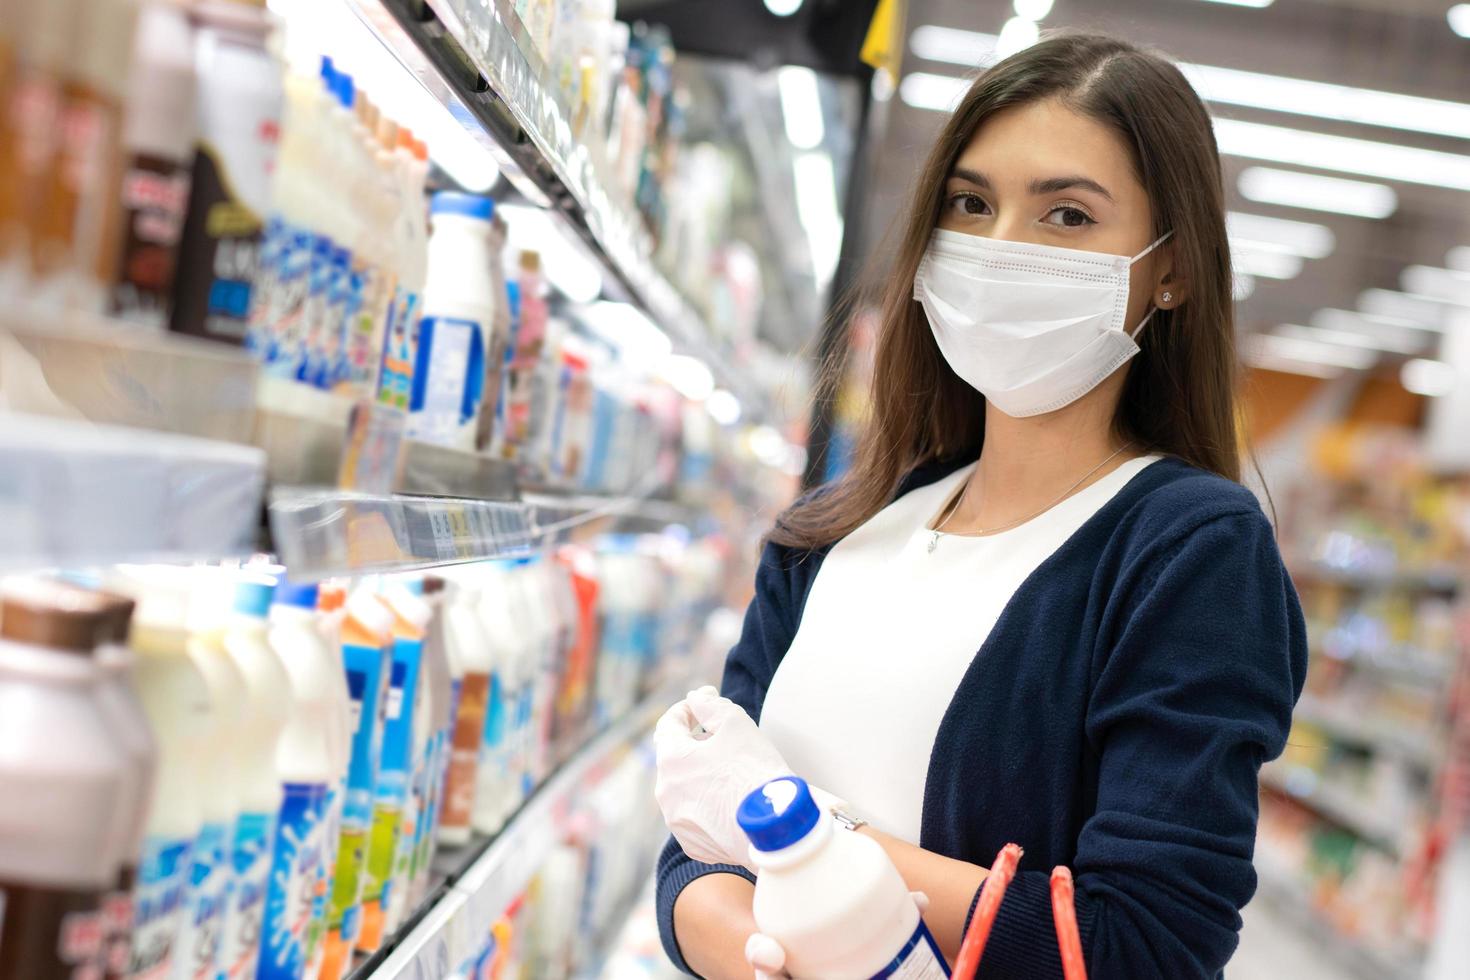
[(768, 959), (710, 756)]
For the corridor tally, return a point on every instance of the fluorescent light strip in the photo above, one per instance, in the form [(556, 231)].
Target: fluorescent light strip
[(1232, 86), (1425, 311), (1310, 241), (1390, 333), (1431, 379), (1271, 265), (1459, 18), (1343, 154), (1324, 100), (1253, 4), (925, 90), (1244, 287), (1315, 192), (801, 106), (1312, 352), (1347, 338), (1285, 365), (1458, 258), (1016, 34), (1443, 285)]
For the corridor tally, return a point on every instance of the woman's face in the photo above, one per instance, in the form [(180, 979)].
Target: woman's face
[(1044, 174)]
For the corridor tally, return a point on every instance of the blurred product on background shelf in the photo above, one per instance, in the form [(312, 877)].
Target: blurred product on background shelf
[(1356, 816), (294, 722)]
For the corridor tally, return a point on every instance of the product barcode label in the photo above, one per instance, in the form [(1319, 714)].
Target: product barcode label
[(919, 959)]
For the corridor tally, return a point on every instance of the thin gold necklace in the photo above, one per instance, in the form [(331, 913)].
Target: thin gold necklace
[(939, 531)]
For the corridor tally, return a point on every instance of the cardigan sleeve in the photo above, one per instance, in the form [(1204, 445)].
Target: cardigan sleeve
[(1206, 662), (770, 624)]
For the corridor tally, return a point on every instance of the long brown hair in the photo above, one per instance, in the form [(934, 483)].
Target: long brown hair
[(1179, 396)]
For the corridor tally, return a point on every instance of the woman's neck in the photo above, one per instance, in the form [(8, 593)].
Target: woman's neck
[(1027, 463)]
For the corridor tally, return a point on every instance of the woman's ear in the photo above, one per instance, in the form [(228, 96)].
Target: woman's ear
[(1172, 288)]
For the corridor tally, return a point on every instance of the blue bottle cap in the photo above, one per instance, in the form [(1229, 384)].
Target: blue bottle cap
[(468, 205), (778, 814), (346, 92), (253, 596), (329, 74), (300, 594)]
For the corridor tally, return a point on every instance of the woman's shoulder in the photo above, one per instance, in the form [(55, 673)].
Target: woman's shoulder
[(1171, 499)]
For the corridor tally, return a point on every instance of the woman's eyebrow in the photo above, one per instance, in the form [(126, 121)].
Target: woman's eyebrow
[(1053, 184), (971, 176)]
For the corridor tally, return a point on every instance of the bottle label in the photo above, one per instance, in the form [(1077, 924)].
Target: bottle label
[(198, 951), (158, 906), (50, 933), (314, 313), (365, 669), (448, 378), (155, 192), (292, 919), (919, 959), (117, 924), (251, 859), (283, 323)]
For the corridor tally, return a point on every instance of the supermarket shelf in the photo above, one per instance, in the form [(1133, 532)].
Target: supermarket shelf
[(1346, 810), (70, 365), (1290, 899), (79, 493), (500, 87), (1394, 579), (479, 893), (1349, 726)]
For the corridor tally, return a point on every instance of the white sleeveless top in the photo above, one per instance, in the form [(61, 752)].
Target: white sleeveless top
[(888, 631)]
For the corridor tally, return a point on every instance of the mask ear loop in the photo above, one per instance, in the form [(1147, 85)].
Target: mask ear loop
[(1153, 309)]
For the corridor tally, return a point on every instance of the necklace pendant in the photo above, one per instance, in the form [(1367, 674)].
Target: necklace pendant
[(933, 542)]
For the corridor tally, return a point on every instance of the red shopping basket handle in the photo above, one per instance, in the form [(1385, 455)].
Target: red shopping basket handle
[(992, 893)]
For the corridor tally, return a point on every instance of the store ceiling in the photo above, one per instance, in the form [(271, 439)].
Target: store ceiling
[(1399, 46)]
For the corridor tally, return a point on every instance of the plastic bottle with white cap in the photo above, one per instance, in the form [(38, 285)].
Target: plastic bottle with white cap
[(266, 711), (314, 738), (468, 648), (831, 897)]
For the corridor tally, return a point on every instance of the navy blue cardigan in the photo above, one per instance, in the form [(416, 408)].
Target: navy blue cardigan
[(1114, 721)]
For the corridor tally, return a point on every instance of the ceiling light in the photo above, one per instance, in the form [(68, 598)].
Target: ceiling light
[(1032, 9), (626, 328), (1431, 379), (1017, 34), (1388, 333), (567, 266), (723, 407), (689, 376), (1459, 18), (1458, 258), (1444, 285), (1293, 189), (1348, 338), (1425, 312), (1267, 362), (1259, 233), (817, 209), (783, 8), (1313, 352), (801, 106), (925, 90), (934, 43), (1272, 265), (1343, 154), (1256, 4), (1323, 100), (1244, 287)]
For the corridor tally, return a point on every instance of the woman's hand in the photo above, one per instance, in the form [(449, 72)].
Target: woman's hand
[(710, 756)]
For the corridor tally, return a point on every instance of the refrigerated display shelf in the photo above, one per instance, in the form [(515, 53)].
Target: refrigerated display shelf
[(1291, 899), (1344, 809), (482, 878), (479, 62), (1343, 723)]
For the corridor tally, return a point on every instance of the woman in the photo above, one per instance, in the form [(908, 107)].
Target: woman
[(1050, 479)]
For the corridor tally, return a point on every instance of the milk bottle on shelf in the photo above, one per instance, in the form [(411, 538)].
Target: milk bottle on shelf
[(441, 699), (367, 636), (175, 698), (118, 696), (458, 317), (831, 897), (495, 780), (198, 955), (307, 758), (61, 776), (266, 709)]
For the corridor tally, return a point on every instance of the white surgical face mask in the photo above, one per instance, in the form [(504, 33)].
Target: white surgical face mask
[(1031, 327)]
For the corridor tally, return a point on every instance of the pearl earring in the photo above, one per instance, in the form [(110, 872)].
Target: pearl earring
[(1166, 297)]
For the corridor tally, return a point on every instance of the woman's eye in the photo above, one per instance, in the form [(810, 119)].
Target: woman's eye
[(968, 204), (1069, 216)]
